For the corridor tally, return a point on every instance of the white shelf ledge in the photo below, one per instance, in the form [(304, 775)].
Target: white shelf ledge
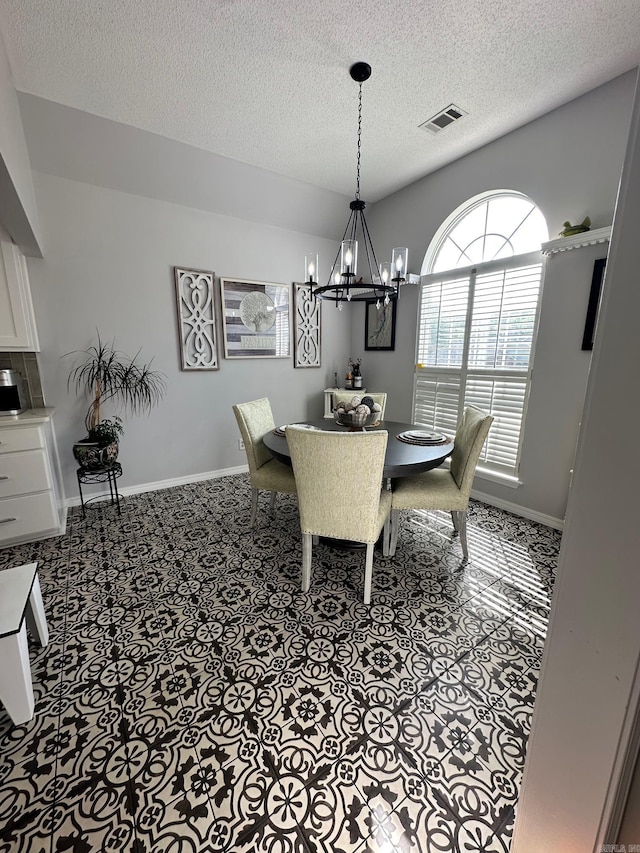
[(587, 238)]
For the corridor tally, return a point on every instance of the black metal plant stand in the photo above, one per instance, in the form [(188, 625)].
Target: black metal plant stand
[(107, 474)]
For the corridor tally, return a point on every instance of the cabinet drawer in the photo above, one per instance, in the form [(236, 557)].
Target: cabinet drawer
[(21, 473), (20, 438), (27, 515)]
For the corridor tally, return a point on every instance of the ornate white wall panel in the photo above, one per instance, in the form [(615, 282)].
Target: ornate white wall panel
[(196, 319), (308, 323)]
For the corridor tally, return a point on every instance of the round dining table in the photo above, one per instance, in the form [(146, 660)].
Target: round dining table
[(401, 459)]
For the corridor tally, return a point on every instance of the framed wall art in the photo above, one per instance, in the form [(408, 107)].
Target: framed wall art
[(307, 323), (255, 316), (380, 325), (196, 319), (593, 306)]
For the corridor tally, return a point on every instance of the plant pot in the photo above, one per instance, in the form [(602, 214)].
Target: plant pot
[(90, 456)]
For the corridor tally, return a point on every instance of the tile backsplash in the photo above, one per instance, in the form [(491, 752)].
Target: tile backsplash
[(26, 363)]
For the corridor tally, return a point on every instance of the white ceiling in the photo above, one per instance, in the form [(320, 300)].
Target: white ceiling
[(266, 82)]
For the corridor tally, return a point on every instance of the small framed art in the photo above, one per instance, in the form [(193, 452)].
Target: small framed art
[(593, 306), (255, 316), (380, 325)]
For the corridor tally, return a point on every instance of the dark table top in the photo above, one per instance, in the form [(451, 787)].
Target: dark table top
[(401, 460)]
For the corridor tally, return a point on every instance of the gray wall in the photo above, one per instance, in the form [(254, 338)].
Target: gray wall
[(18, 210), (109, 266), (111, 241), (569, 163), (588, 695)]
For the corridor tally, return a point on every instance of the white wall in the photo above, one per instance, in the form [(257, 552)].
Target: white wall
[(109, 266), (587, 698), (569, 163)]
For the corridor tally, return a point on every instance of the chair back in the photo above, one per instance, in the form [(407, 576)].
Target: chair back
[(470, 438), (338, 479), (345, 397), (255, 420)]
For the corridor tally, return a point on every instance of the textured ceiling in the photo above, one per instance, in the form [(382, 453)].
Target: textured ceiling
[(266, 81)]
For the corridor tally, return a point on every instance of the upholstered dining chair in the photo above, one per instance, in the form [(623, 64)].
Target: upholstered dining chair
[(338, 476), (345, 397), (441, 489), (255, 419)]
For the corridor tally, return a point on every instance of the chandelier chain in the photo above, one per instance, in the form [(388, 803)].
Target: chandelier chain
[(359, 135)]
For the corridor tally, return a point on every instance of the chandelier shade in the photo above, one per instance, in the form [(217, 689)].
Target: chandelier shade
[(380, 281)]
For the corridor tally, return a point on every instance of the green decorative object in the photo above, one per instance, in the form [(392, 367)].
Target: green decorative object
[(569, 230)]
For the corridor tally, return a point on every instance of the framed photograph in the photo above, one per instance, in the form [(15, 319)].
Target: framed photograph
[(255, 316), (593, 307), (380, 325), (307, 326), (196, 319)]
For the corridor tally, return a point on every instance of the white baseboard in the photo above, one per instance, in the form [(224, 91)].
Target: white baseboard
[(522, 511), (166, 484), (516, 509)]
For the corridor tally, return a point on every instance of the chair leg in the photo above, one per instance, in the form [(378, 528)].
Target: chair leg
[(368, 573), (462, 527), (455, 520), (272, 505), (307, 549), (386, 537), (254, 507), (393, 532)]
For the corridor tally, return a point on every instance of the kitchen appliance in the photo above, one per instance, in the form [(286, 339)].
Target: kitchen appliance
[(13, 399)]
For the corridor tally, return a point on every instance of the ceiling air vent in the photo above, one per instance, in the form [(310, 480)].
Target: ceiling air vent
[(442, 119)]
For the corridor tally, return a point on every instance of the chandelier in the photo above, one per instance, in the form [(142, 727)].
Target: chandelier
[(344, 284)]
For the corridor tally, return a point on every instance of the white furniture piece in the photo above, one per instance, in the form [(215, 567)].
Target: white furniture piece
[(255, 419), (20, 603), (440, 489), (17, 320), (31, 502), (338, 475)]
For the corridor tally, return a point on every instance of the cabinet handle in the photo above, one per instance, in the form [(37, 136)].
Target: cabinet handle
[(7, 520)]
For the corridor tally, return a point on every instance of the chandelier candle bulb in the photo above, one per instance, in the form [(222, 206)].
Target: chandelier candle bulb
[(310, 268), (349, 259), (399, 263)]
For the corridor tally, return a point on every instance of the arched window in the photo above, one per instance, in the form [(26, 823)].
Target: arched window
[(478, 314)]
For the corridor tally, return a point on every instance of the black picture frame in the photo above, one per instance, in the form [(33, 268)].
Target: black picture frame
[(380, 325), (593, 306)]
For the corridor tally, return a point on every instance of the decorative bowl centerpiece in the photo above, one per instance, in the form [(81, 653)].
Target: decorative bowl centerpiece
[(358, 413)]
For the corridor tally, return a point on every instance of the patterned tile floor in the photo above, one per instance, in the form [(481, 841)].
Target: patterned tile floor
[(192, 699)]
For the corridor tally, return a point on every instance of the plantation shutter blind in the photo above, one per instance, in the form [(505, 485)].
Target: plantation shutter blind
[(474, 347)]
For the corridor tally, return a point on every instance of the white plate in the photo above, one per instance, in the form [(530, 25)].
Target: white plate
[(300, 426), (423, 435)]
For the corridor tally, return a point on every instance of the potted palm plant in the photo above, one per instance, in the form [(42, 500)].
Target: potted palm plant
[(107, 374)]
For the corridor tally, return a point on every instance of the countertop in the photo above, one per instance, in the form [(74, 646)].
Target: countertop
[(31, 416)]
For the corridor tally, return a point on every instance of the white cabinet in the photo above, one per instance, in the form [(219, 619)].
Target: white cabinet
[(31, 505), (17, 320)]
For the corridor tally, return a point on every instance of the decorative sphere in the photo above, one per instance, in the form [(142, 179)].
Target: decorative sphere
[(363, 410), (368, 401), (376, 407), (355, 401)]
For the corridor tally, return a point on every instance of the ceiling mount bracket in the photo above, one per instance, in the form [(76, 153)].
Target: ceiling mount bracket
[(360, 71)]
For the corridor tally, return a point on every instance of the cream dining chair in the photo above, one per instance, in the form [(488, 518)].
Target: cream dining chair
[(338, 475), (345, 397), (255, 420), (441, 489)]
